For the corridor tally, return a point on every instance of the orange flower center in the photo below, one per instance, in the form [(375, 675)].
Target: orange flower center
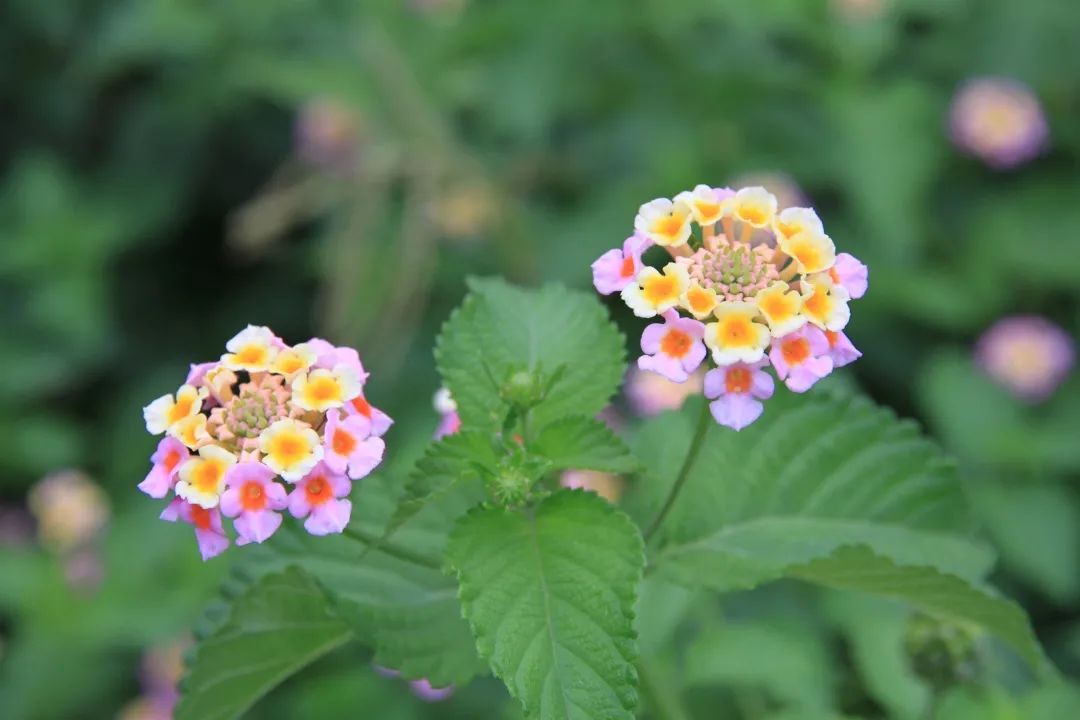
[(343, 442), (669, 226), (832, 338), (795, 351), (752, 215), (252, 496), (290, 364), (707, 209), (289, 448), (627, 267), (318, 490), (700, 301), (323, 389), (659, 290), (817, 304), (207, 476), (738, 380), (181, 409), (776, 306), (171, 458), (200, 517), (737, 331), (362, 406), (251, 355), (676, 343)]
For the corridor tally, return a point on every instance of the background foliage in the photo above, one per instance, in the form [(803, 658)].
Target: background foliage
[(158, 192)]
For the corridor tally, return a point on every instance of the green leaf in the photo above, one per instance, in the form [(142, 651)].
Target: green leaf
[(816, 475), (406, 610), (874, 628), (790, 662), (943, 595), (408, 613), (550, 596), (283, 623), (1036, 528), (447, 464), (583, 443), (555, 332)]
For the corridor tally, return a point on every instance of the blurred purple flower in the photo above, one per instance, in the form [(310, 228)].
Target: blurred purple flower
[(1027, 354), (428, 693), (326, 134), (999, 120), (651, 394)]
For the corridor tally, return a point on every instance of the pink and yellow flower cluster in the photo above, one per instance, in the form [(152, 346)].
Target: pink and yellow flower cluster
[(747, 283), (262, 413)]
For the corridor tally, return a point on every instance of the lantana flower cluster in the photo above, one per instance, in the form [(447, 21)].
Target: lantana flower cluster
[(754, 287), (266, 428)]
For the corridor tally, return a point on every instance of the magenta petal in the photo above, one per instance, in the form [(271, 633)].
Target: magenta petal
[(663, 365), (230, 502), (256, 526), (694, 357), (276, 496), (715, 383), (651, 337), (171, 513), (607, 276), (366, 458), (211, 544), (157, 483), (762, 385), (298, 503), (330, 517), (736, 411)]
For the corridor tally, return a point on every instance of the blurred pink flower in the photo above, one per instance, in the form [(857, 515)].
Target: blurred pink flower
[(1027, 354), (424, 690), (607, 486), (449, 420), (70, 509), (651, 394), (326, 134), (999, 120)]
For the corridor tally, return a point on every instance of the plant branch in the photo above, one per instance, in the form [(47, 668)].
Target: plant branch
[(684, 472), (379, 544)]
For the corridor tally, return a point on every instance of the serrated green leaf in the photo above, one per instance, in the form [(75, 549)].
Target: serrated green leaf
[(550, 596), (584, 443), (500, 329), (283, 623), (407, 613), (941, 594), (459, 458), (815, 473)]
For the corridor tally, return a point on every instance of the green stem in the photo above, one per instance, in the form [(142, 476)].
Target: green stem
[(377, 543), (684, 472)]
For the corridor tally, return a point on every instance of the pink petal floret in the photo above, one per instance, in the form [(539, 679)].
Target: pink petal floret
[(801, 376), (737, 404), (616, 268), (168, 457), (851, 274), (841, 349), (676, 368), (329, 513), (259, 524)]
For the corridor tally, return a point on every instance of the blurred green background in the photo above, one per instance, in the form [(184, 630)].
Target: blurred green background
[(171, 170)]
